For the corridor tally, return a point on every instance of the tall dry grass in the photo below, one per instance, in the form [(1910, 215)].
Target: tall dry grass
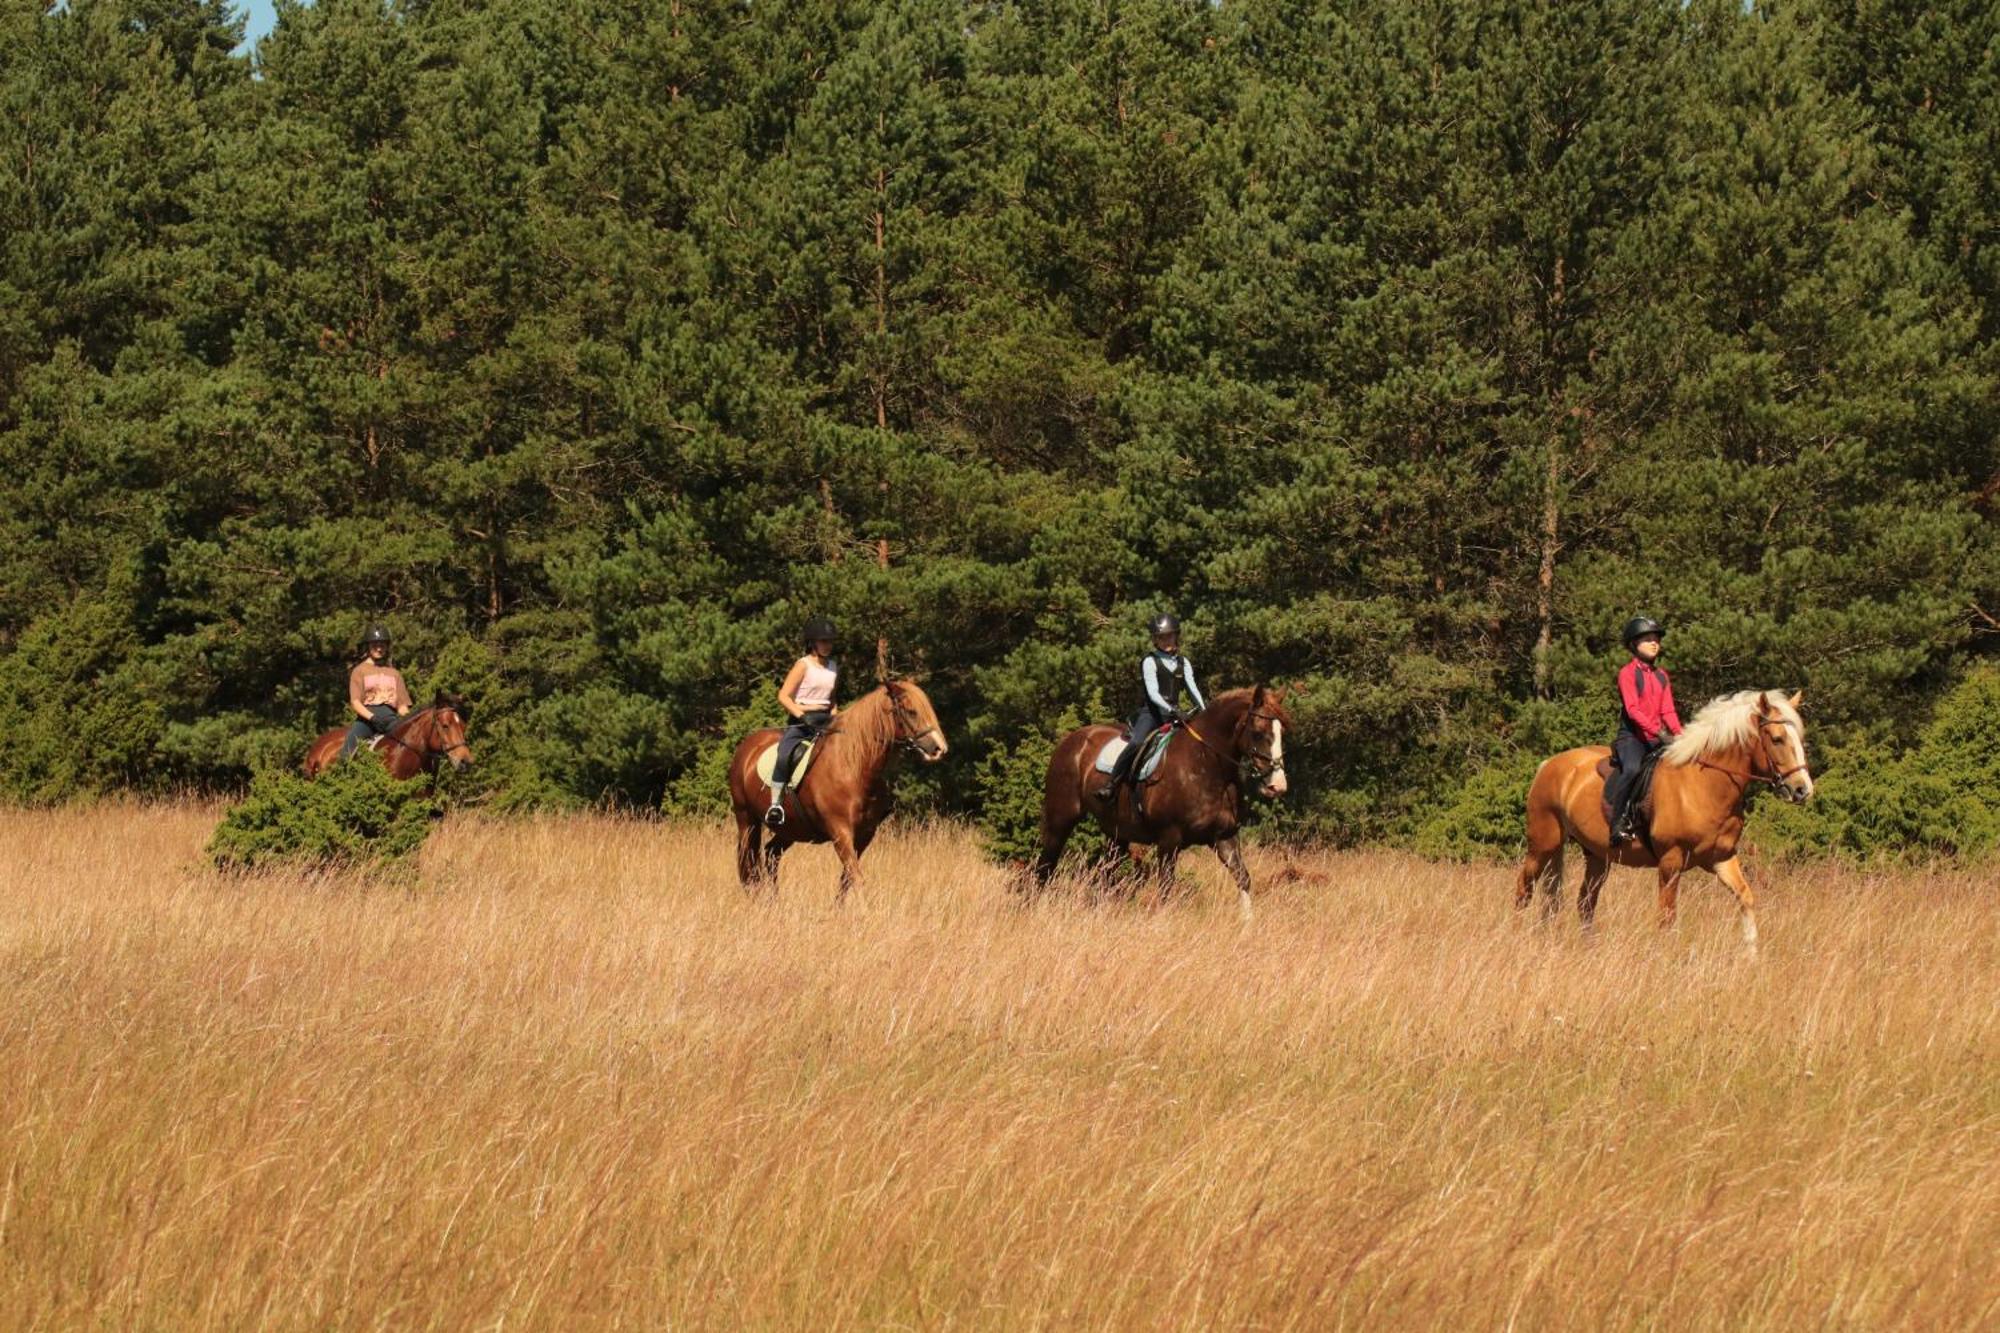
[(573, 1079)]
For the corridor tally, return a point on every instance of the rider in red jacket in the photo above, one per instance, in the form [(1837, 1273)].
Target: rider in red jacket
[(1647, 719)]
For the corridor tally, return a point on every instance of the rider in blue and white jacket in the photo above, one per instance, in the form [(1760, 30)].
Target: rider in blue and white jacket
[(1164, 674)]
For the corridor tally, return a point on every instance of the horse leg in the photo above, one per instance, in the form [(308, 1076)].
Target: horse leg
[(1730, 872), (773, 850), (850, 861), (1059, 817), (1231, 854), (1166, 860), (1543, 856), (1671, 863), (1595, 869), (749, 833)]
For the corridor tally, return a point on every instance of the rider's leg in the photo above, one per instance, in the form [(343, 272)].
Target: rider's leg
[(1630, 749), (781, 768), (1144, 724), (364, 731)]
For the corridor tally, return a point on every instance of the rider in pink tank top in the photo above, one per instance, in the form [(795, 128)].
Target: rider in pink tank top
[(807, 696)]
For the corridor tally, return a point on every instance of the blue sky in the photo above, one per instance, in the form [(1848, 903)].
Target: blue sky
[(261, 13)]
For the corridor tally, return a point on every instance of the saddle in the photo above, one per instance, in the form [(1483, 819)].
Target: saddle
[(1147, 765), (767, 763)]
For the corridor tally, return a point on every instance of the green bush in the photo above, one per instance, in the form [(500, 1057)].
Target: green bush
[(1940, 798), (353, 814)]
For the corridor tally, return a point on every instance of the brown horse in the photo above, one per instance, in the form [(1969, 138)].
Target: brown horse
[(844, 796), (414, 745), (1699, 786), (1193, 800)]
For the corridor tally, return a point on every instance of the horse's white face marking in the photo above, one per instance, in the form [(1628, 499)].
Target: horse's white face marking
[(936, 738), (1277, 785)]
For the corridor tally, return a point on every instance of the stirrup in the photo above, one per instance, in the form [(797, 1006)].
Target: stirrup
[(774, 817)]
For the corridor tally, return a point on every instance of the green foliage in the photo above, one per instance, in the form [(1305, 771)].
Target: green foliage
[(353, 814), (1940, 798), (1404, 350)]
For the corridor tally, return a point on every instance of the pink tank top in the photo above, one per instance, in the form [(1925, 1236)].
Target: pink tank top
[(378, 687), (815, 691)]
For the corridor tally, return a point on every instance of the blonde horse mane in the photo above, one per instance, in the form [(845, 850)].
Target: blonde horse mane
[(1729, 722)]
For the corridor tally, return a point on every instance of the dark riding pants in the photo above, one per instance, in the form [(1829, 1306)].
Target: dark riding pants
[(385, 718), (808, 727), (1629, 751), (1144, 723)]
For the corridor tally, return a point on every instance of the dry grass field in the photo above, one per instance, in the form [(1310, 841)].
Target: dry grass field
[(571, 1078)]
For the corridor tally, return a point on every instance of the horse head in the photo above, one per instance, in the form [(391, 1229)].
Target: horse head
[(1260, 740), (1784, 736), (448, 716), (917, 724)]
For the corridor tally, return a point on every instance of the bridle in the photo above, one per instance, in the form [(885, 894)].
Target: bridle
[(1261, 767), (1771, 773), (901, 714)]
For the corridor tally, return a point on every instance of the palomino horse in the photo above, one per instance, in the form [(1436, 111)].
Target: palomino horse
[(844, 795), (1699, 786), (1194, 800), (414, 745)]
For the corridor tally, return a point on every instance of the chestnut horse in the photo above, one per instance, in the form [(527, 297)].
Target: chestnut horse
[(414, 745), (1195, 798), (844, 796), (1697, 797)]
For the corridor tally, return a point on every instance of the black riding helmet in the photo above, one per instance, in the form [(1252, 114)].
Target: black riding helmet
[(376, 634), (1164, 623), (819, 627), (1638, 627)]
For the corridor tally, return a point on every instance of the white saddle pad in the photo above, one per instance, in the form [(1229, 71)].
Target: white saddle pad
[(767, 763)]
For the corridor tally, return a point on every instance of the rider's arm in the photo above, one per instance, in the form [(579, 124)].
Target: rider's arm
[(786, 691), (1668, 713), (354, 696), (1194, 692), (1151, 672), (402, 696)]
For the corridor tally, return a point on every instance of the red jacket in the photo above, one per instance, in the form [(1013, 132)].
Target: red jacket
[(1648, 697)]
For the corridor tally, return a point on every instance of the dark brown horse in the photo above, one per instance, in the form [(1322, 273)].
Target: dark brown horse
[(1699, 786), (1194, 800), (844, 796), (414, 745)]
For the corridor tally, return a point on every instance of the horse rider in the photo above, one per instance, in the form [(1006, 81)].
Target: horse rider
[(807, 698), (375, 692), (1647, 719), (1164, 673)]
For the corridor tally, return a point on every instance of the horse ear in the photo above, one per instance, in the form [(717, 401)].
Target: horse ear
[(1798, 698), (1258, 696), (1763, 703)]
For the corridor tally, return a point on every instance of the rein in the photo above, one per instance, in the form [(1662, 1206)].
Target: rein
[(1245, 762)]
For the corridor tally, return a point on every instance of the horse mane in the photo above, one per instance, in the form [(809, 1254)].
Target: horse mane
[(1729, 722), (864, 732)]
